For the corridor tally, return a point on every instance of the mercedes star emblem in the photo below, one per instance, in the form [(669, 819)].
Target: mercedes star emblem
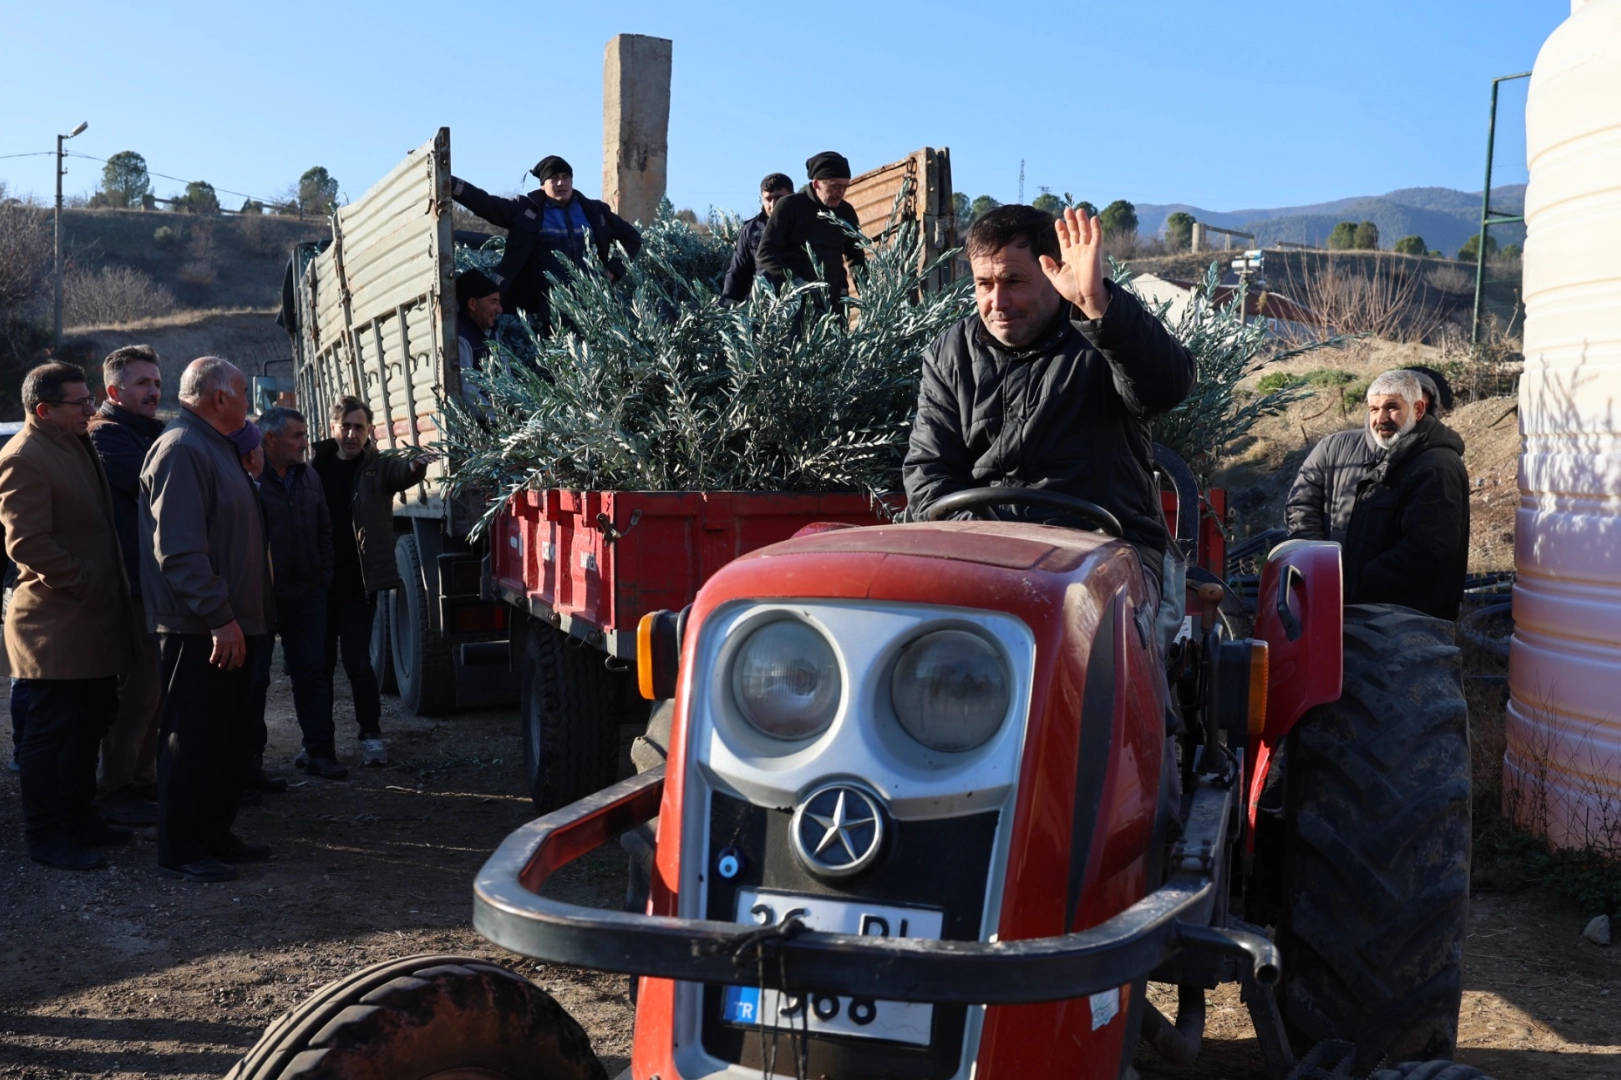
[(838, 830)]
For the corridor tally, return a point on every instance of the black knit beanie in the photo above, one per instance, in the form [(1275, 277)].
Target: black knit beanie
[(828, 165)]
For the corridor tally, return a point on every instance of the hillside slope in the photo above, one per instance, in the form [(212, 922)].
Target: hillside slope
[(1444, 217)]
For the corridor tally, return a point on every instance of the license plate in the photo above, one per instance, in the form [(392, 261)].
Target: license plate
[(863, 1018)]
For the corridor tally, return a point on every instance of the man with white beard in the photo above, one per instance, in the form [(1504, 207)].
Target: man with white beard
[(1395, 496)]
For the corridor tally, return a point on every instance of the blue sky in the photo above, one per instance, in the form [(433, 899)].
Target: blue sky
[(1219, 105)]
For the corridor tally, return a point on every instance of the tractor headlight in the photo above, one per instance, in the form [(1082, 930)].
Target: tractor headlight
[(786, 681), (951, 690)]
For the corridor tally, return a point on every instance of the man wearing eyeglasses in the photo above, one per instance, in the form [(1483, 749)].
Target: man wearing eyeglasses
[(70, 627)]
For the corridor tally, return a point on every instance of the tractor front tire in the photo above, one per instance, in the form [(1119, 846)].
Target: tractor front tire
[(420, 1018), (1376, 847)]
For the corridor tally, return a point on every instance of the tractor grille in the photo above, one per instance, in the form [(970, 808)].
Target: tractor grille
[(942, 864)]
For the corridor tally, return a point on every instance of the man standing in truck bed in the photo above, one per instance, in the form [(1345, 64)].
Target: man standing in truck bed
[(548, 231), (817, 217)]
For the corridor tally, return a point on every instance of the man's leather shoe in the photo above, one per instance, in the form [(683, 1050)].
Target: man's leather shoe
[(237, 850), (63, 854), (101, 834), (204, 871), (327, 768)]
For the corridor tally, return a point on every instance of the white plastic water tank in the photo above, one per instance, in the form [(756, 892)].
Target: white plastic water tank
[(1562, 770)]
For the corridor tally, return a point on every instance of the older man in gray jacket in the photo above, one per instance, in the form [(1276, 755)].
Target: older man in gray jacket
[(205, 577)]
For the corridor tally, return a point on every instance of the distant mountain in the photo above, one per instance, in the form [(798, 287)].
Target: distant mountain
[(1444, 217)]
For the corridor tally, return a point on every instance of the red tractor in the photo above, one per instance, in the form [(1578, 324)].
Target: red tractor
[(942, 798)]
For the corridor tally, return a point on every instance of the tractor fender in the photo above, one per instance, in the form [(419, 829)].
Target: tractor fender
[(1299, 613)]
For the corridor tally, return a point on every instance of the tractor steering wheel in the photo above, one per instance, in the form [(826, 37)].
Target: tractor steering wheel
[(1099, 519)]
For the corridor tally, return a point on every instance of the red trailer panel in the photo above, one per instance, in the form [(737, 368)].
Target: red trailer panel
[(594, 562)]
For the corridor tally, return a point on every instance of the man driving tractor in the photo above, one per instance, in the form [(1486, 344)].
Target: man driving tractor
[(1051, 384)]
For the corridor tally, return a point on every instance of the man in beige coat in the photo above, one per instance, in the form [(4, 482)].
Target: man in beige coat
[(70, 625)]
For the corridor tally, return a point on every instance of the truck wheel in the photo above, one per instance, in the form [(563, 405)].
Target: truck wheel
[(1376, 847), (423, 665), (424, 1017), (569, 715), (382, 649)]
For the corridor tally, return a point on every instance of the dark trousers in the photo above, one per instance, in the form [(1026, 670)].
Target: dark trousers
[(348, 633), (302, 626), (203, 745), (57, 761), (19, 715)]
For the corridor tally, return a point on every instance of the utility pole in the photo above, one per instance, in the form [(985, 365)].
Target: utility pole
[(57, 264), (1021, 180)]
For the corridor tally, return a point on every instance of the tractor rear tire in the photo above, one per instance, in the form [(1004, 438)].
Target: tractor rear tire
[(1376, 847), (423, 663), (424, 1017), (569, 710)]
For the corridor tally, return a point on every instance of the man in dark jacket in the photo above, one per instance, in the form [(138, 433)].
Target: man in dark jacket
[(1395, 496), (815, 217), (549, 231), (1051, 385), (299, 526), (205, 580), (359, 486), (740, 274), (478, 306), (122, 432)]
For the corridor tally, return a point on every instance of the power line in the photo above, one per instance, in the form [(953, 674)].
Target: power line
[(36, 153), (178, 180)]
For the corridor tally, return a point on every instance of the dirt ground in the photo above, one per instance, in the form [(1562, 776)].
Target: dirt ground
[(122, 973)]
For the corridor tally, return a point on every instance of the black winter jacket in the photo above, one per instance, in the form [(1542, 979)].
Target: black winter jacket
[(1401, 516), (372, 508), (740, 274), (299, 529), (1069, 414), (529, 256), (802, 219), (121, 439)]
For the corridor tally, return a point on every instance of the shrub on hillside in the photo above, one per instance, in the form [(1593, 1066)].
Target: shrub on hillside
[(1367, 237), (1470, 252), (1328, 378), (1279, 380), (1411, 245), (25, 266), (1343, 238), (110, 295), (165, 237), (1119, 218)]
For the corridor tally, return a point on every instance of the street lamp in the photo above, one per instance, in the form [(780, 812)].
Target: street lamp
[(60, 154)]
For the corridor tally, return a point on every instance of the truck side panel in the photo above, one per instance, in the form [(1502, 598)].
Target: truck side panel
[(380, 304)]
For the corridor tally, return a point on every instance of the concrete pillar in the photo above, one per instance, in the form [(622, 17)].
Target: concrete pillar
[(1198, 243), (635, 124)]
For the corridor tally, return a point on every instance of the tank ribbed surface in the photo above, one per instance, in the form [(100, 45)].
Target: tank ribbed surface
[(1563, 765)]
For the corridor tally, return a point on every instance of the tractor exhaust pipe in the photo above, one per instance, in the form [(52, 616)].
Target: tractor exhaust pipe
[(1177, 1043)]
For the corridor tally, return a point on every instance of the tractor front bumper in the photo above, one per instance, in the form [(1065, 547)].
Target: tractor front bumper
[(508, 910)]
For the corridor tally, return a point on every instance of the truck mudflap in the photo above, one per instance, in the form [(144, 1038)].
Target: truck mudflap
[(509, 912)]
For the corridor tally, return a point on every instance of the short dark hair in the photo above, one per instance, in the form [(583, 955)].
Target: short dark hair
[(273, 421), (1014, 225), (44, 383), (347, 404), (119, 359), (776, 182)]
